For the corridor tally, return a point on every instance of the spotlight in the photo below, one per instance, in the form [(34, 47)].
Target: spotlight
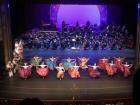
[(138, 6), (8, 5)]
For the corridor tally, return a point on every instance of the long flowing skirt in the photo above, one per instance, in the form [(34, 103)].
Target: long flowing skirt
[(126, 72), (102, 64), (51, 65), (73, 72), (24, 73), (93, 72), (109, 70), (42, 71), (10, 74), (60, 74)]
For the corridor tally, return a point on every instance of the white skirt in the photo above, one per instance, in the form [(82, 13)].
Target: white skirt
[(10, 73)]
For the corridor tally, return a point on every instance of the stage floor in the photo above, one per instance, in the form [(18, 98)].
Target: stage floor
[(50, 88)]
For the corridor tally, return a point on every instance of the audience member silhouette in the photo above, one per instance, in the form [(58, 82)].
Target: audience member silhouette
[(29, 101)]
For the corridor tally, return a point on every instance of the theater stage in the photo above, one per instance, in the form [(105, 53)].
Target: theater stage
[(84, 88)]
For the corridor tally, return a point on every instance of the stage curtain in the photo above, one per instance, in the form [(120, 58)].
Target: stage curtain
[(5, 30), (138, 41)]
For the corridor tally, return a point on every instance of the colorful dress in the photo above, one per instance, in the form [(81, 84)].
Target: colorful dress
[(73, 72), (42, 70), (35, 61), (93, 70), (102, 63), (51, 62), (118, 62), (25, 71), (83, 62), (60, 73), (10, 68), (68, 63), (126, 69), (19, 49), (111, 68)]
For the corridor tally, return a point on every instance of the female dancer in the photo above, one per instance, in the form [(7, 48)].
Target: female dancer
[(126, 69), (68, 63), (73, 71), (93, 70), (51, 62), (18, 51), (83, 62), (111, 68), (25, 71), (60, 69), (42, 70), (35, 61), (103, 62), (118, 62), (10, 67), (15, 65)]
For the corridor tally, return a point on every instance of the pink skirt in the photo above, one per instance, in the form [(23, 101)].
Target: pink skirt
[(42, 71), (24, 73)]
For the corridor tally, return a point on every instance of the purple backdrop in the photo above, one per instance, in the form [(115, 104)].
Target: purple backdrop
[(81, 13)]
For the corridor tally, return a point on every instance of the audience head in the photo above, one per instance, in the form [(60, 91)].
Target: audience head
[(30, 101)]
